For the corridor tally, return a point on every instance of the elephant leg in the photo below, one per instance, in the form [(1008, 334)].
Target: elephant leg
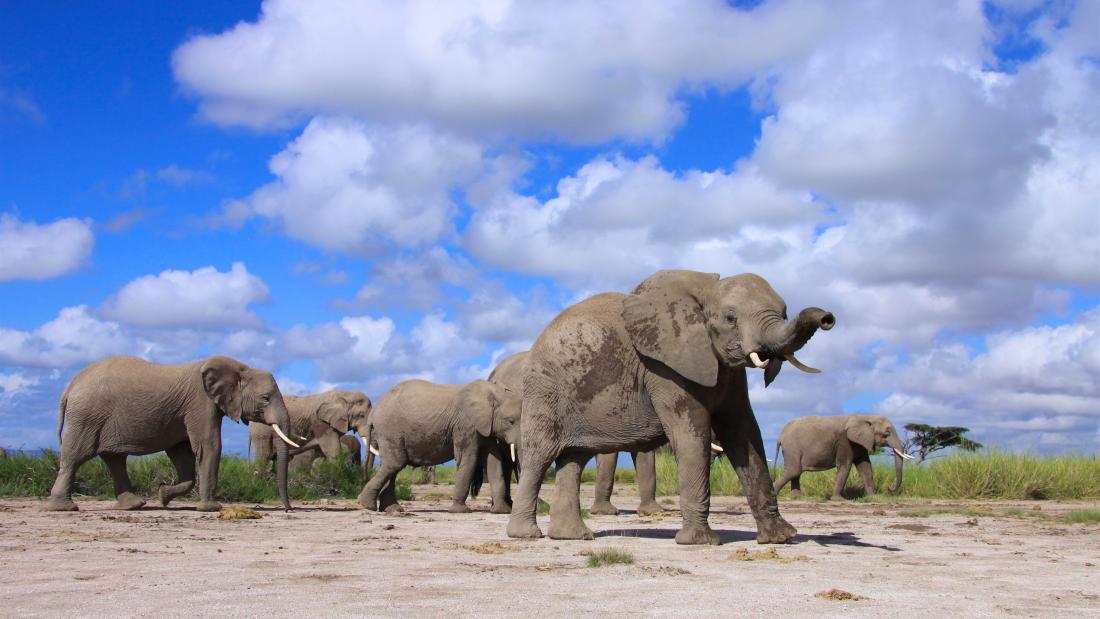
[(183, 459), (868, 475), (393, 460), (842, 471), (498, 482), (790, 474), (796, 486), (387, 498), (565, 510), (536, 459), (61, 494), (693, 458), (739, 434), (645, 472), (466, 465), (605, 483), (124, 492), (209, 459)]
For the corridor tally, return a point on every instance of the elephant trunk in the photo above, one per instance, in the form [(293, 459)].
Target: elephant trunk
[(787, 338), (897, 448), (280, 418)]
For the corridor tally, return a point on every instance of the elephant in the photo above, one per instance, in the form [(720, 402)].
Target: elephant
[(420, 423), (624, 372), (821, 443), (125, 406), (323, 419), (508, 374)]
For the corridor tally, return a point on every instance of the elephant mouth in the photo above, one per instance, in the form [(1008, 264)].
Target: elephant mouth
[(761, 360)]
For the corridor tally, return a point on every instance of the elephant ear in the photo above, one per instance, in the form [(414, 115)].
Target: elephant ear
[(221, 379), (859, 431), (665, 317), (772, 371), (479, 403), (335, 412)]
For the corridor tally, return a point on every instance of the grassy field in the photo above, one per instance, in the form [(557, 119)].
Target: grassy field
[(984, 475)]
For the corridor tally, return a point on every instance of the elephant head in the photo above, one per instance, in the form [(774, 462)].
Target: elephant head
[(244, 393), (346, 411), (495, 412), (692, 322), (874, 431)]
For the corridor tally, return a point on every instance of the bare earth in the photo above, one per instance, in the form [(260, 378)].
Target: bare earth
[(334, 559)]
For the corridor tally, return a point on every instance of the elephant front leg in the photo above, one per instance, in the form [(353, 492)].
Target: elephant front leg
[(209, 459), (868, 475), (498, 482), (466, 461), (693, 460), (740, 437), (842, 471), (565, 510), (605, 484)]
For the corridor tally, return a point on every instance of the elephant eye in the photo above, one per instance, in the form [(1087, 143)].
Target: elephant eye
[(731, 317)]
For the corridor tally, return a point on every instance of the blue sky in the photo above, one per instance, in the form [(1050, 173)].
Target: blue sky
[(353, 195)]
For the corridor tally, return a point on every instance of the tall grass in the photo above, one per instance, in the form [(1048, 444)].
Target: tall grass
[(983, 475)]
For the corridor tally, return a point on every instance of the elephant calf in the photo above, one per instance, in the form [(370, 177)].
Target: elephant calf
[(125, 406), (422, 424), (323, 419), (821, 443)]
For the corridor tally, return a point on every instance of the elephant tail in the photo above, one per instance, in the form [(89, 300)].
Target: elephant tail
[(61, 413), (775, 458), (248, 449)]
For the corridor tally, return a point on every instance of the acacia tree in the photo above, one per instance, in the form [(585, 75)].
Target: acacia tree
[(925, 439)]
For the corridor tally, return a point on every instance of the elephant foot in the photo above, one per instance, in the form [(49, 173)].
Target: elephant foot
[(208, 506), (522, 528), (129, 500), (836, 497), (776, 531), (570, 530), (795, 494), (395, 508), (697, 535), (368, 501), (163, 496), (64, 504), (650, 508), (603, 508), (501, 507), (458, 508)]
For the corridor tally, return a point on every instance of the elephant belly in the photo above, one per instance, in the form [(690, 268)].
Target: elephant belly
[(615, 424), (149, 435), (429, 455)]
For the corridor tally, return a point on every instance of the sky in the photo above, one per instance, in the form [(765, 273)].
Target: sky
[(355, 194)]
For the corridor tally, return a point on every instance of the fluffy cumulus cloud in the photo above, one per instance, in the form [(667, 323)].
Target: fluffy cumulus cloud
[(579, 70), (75, 337), (204, 297), (348, 187), (41, 251)]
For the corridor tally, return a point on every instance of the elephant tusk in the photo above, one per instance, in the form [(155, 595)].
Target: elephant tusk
[(364, 442), (902, 454), (757, 361), (802, 366), (278, 431), (512, 450), (373, 451), (716, 447)]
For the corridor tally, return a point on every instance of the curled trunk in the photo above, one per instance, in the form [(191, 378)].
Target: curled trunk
[(793, 335)]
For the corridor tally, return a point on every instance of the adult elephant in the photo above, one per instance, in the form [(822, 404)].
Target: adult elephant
[(621, 372), (420, 423), (125, 406), (821, 443), (323, 419)]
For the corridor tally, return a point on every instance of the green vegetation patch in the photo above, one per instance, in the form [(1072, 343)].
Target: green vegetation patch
[(610, 556)]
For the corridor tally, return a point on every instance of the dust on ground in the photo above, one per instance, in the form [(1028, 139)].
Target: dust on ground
[(331, 558)]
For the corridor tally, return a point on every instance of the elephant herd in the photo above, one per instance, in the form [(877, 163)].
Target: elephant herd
[(615, 372)]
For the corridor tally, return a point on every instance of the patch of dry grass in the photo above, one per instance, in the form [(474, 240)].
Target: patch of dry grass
[(771, 554), (238, 512), (840, 595), (610, 556)]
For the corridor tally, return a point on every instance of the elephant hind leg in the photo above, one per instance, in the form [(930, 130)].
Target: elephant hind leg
[(605, 484), (183, 459), (796, 486), (124, 492), (793, 475), (393, 460), (565, 511), (72, 456), (645, 471), (522, 523)]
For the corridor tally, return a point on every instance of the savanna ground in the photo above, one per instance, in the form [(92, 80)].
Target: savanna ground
[(330, 558)]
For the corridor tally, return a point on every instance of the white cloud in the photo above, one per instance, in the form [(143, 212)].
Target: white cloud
[(204, 297), (16, 383), (415, 280), (34, 251), (74, 338), (347, 187), (578, 70)]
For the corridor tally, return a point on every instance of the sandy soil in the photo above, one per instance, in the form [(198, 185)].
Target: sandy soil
[(334, 559)]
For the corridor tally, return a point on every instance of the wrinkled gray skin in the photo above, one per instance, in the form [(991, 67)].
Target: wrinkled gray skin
[(822, 443), (322, 419), (620, 372), (125, 406), (419, 423)]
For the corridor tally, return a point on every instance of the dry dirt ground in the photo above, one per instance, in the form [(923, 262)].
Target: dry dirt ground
[(333, 559)]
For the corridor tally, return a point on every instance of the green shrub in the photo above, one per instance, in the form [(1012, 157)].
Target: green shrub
[(610, 556)]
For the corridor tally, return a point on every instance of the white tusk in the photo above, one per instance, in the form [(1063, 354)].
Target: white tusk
[(373, 451), (902, 454), (512, 450), (716, 447), (275, 427), (364, 442), (757, 361), (802, 366)]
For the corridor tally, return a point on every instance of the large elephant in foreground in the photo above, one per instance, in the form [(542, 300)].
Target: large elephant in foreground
[(420, 423), (125, 406), (621, 372), (821, 443), (323, 419)]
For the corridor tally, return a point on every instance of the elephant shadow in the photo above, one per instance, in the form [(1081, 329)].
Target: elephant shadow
[(842, 538), (724, 536)]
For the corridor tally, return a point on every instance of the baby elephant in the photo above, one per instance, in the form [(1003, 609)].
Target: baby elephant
[(419, 423), (821, 443)]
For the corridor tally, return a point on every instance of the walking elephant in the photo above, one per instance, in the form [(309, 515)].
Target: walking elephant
[(422, 424), (621, 372), (125, 406), (322, 419), (821, 443)]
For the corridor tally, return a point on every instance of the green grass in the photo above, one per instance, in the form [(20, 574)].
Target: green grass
[(610, 556), (1082, 516), (982, 475)]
